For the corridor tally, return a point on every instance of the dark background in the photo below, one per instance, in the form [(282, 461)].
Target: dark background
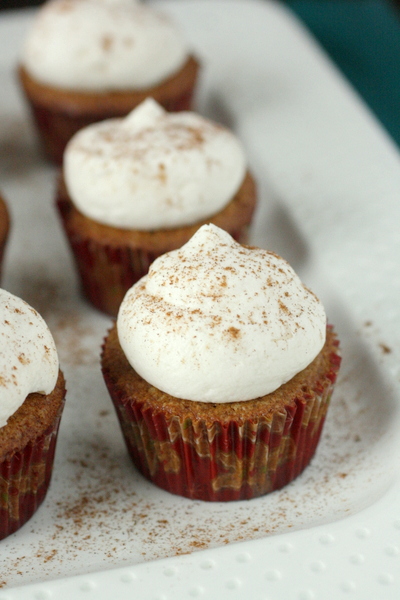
[(18, 3), (361, 36)]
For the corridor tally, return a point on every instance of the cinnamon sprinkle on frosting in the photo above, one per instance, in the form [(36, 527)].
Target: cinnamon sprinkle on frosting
[(205, 324)]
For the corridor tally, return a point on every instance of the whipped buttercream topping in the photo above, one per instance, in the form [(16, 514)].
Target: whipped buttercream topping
[(100, 45), (28, 356), (219, 322), (153, 169)]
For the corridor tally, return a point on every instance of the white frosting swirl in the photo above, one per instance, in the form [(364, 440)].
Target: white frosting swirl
[(99, 45), (153, 169), (28, 356), (219, 322)]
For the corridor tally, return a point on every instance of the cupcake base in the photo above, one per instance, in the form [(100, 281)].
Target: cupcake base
[(4, 230), (59, 113), (28, 443), (221, 452), (110, 260)]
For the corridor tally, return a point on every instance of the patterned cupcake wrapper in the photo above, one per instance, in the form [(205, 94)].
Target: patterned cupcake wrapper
[(2, 248), (4, 232), (25, 478), (56, 127), (106, 273), (226, 461)]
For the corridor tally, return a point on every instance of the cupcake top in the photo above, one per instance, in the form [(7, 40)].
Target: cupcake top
[(28, 356), (219, 322), (100, 45), (153, 169)]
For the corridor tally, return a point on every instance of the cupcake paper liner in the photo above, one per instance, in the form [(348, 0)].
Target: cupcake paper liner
[(2, 248), (24, 479), (107, 272), (226, 460), (4, 231)]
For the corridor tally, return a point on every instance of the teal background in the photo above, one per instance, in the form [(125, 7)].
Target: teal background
[(363, 39)]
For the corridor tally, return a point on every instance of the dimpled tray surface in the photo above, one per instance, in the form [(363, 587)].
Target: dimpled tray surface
[(329, 181)]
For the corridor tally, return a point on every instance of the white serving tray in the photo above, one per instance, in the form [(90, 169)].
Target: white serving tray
[(329, 180)]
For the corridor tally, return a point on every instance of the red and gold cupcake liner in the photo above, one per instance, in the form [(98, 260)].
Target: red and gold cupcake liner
[(107, 272), (25, 478), (226, 460)]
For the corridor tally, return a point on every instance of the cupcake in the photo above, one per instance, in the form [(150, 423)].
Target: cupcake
[(89, 60), (32, 393), (4, 229), (135, 188), (220, 367)]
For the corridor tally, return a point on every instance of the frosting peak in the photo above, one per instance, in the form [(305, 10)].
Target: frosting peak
[(99, 45), (153, 169), (147, 114), (28, 356), (219, 322)]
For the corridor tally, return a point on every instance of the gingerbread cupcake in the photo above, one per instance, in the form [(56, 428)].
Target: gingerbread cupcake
[(89, 60), (4, 229), (32, 393), (221, 368), (135, 188)]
